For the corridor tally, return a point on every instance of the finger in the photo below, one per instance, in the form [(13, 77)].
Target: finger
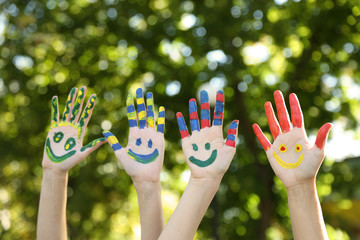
[(205, 109), (273, 123), (219, 108), (265, 143), (182, 126), (86, 114), (323, 135), (194, 119), (92, 146), (75, 114), (141, 108), (150, 109), (296, 113), (69, 103), (232, 134), (112, 140), (54, 109), (282, 112), (161, 120), (131, 111)]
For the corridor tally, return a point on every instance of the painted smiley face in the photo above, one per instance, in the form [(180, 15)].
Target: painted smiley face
[(148, 158), (208, 161), (69, 144), (283, 149)]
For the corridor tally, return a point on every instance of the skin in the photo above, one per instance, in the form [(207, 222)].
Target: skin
[(145, 174), (51, 222), (204, 180), (299, 179)]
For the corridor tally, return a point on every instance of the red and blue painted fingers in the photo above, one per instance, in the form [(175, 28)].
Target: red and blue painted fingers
[(323, 135), (141, 108), (131, 111), (112, 140), (161, 120), (182, 126), (219, 108), (205, 109), (194, 119), (283, 115), (232, 134), (265, 143), (296, 113)]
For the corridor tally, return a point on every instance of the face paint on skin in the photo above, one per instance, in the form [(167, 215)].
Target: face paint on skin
[(80, 97), (150, 109), (194, 119), (207, 162), (58, 137), (86, 112), (112, 140), (131, 111), (66, 124), (140, 108), (205, 109), (219, 109), (92, 143), (54, 158), (161, 120), (143, 158), (70, 144), (68, 104), (54, 109), (283, 149)]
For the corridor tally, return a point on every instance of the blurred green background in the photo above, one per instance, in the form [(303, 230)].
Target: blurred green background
[(174, 49)]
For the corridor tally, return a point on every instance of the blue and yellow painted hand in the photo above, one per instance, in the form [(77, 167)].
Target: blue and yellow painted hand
[(283, 149)]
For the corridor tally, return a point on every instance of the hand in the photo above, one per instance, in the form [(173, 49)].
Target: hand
[(143, 156), (292, 157), (64, 142), (206, 153)]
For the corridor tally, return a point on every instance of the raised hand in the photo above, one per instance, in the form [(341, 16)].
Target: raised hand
[(293, 158), (64, 142), (205, 150), (143, 156)]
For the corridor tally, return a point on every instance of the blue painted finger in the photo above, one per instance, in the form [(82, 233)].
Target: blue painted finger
[(194, 119), (112, 140)]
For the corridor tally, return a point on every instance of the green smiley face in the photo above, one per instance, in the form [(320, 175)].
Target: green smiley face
[(69, 144), (203, 163)]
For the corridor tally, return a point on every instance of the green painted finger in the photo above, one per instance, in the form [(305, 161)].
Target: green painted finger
[(93, 143), (54, 109), (68, 104), (87, 111), (78, 104)]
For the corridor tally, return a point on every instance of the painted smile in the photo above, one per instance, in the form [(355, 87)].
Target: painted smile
[(205, 163), (53, 157), (143, 158), (288, 165)]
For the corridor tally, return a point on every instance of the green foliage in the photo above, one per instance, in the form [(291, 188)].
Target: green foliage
[(248, 48)]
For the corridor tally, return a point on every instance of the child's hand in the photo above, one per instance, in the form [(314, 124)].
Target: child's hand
[(64, 142), (207, 155), (293, 158), (143, 156)]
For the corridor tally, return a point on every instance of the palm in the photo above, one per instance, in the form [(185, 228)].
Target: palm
[(63, 146), (143, 156), (205, 150), (292, 157)]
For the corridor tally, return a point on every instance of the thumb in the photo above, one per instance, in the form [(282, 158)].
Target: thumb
[(112, 140), (323, 135), (92, 146)]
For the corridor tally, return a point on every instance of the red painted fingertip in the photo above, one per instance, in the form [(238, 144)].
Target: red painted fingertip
[(296, 113), (323, 135), (265, 143)]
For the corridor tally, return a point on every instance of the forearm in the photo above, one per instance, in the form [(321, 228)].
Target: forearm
[(191, 209), (305, 212), (150, 207), (51, 222)]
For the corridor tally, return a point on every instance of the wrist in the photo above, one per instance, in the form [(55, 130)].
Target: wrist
[(50, 172), (301, 190), (205, 183)]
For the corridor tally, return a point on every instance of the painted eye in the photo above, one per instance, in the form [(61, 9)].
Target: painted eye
[(207, 146), (150, 144), (195, 147), (138, 142), (58, 137), (282, 148), (298, 147), (70, 143)]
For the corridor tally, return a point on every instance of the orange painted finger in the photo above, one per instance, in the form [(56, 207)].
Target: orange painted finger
[(296, 113), (282, 112), (273, 123), (323, 135), (265, 143)]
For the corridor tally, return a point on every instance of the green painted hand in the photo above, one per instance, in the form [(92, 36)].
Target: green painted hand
[(143, 156), (64, 142)]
